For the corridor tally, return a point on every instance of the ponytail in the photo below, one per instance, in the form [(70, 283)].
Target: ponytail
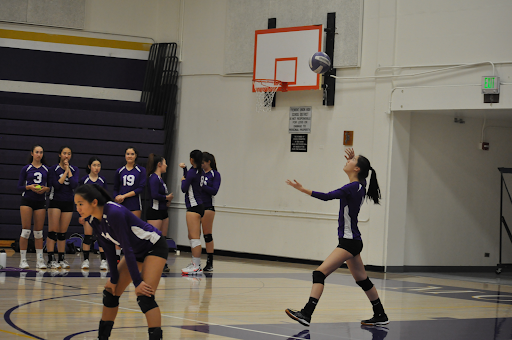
[(91, 192), (197, 156), (208, 157), (153, 160), (373, 191)]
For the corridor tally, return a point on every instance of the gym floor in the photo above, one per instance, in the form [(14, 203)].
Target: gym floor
[(246, 299)]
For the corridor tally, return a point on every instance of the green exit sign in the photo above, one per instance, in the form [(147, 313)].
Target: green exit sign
[(490, 85)]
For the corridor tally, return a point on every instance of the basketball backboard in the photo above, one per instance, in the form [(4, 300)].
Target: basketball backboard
[(283, 54)]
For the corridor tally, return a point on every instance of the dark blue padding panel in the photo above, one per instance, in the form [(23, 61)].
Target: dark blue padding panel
[(44, 114), (71, 69), (43, 100)]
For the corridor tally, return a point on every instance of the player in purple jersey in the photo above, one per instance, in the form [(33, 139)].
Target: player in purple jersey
[(191, 187), (63, 180), (351, 198), (129, 183), (157, 214), (93, 177), (33, 184), (211, 185), (145, 256)]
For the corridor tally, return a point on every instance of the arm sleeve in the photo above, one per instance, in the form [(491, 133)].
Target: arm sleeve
[(118, 220), (117, 183), (185, 172), (154, 185), (23, 178), (142, 182), (73, 181), (335, 194), (188, 180), (110, 253), (214, 189)]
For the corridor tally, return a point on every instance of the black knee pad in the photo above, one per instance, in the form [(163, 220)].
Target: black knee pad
[(88, 239), (61, 236), (366, 284), (110, 300), (208, 238), (318, 277), (52, 235), (146, 303), (155, 333)]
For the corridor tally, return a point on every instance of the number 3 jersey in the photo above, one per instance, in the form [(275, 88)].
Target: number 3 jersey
[(62, 192), (130, 180), (31, 175)]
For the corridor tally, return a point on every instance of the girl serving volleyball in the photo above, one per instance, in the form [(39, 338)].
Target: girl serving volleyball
[(351, 198)]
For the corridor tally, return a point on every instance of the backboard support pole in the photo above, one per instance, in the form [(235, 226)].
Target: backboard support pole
[(329, 84)]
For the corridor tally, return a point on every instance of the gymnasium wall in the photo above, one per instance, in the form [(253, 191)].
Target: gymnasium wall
[(258, 213)]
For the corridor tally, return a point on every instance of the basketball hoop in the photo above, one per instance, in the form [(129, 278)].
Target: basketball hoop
[(265, 92)]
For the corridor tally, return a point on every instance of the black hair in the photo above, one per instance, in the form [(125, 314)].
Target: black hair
[(31, 158), (62, 148), (208, 157), (373, 191), (134, 150), (197, 156), (152, 164), (91, 160), (91, 192)]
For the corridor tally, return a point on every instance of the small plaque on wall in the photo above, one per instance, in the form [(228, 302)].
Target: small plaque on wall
[(299, 143), (348, 138)]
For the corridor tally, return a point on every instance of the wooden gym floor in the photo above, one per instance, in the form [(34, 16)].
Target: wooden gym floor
[(246, 299)]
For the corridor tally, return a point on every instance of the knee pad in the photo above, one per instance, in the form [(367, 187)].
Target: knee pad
[(366, 284), (88, 239), (61, 236), (110, 300), (146, 303), (195, 243), (208, 238), (25, 233), (318, 277), (38, 234), (155, 333), (52, 235)]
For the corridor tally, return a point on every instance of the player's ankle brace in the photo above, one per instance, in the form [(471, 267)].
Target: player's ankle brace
[(105, 329)]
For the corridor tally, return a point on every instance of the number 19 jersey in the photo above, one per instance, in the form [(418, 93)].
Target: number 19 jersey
[(130, 180)]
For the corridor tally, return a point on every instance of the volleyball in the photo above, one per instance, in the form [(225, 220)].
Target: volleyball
[(320, 63)]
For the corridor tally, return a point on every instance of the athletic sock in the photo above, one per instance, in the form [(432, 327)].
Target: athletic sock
[(210, 258), (86, 254), (51, 256), (378, 308), (103, 256), (23, 254), (196, 261), (61, 257), (309, 308), (105, 329), (39, 254)]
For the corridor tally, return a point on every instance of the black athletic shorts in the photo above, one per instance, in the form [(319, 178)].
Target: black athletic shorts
[(210, 208), (354, 247), (159, 249), (153, 214), (35, 205), (64, 206), (198, 209)]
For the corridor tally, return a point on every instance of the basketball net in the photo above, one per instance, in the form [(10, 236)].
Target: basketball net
[(265, 92)]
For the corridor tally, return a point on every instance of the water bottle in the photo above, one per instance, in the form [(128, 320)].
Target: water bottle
[(3, 259)]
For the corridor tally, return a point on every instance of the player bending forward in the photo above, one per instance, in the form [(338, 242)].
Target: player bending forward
[(145, 252)]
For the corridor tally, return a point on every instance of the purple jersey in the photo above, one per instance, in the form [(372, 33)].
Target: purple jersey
[(351, 198), (130, 180), (211, 185), (31, 175), (157, 192), (87, 180), (191, 187), (120, 227), (65, 191)]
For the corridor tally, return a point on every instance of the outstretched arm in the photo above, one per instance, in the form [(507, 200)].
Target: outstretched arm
[(299, 187)]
